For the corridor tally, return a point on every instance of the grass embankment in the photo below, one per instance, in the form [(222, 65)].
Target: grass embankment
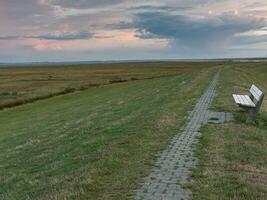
[(233, 156), (23, 85), (95, 144)]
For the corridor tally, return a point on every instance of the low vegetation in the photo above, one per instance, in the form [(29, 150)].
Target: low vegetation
[(94, 144), (233, 156), (98, 143), (20, 85)]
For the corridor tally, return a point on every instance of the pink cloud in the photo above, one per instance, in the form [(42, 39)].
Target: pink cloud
[(105, 40)]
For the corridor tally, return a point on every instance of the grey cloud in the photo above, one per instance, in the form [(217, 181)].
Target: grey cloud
[(80, 4), (187, 36), (249, 39), (70, 36), (18, 15), (194, 32), (23, 9), (8, 37), (67, 36), (154, 7), (85, 3), (255, 5), (172, 4)]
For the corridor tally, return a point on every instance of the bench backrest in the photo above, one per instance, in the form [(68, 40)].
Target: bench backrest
[(256, 94)]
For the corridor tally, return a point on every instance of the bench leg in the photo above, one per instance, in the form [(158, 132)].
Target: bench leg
[(252, 116)]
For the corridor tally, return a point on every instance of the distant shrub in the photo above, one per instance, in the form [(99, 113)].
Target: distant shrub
[(117, 80), (68, 90), (4, 93)]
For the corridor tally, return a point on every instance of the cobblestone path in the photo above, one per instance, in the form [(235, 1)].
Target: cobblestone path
[(173, 166)]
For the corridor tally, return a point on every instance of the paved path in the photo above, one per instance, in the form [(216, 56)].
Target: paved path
[(173, 166)]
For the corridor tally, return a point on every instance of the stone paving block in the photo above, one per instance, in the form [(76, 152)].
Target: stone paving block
[(172, 169)]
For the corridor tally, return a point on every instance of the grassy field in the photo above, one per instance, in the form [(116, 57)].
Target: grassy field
[(27, 84), (98, 143), (233, 156)]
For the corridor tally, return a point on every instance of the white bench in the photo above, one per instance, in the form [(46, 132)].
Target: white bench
[(250, 103)]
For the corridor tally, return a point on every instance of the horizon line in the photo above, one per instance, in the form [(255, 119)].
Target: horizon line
[(131, 61)]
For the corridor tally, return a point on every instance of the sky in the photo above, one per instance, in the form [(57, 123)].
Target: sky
[(92, 30)]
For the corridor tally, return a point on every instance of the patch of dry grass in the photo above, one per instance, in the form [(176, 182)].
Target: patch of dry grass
[(96, 144), (28, 84), (231, 166), (233, 156)]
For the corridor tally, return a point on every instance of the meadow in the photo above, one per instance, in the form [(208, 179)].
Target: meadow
[(100, 139), (20, 85), (233, 156), (97, 143)]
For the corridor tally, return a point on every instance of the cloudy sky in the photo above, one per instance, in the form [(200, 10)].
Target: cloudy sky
[(83, 30)]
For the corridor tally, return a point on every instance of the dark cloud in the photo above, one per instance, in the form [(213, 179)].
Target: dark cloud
[(194, 32), (70, 36), (181, 22)]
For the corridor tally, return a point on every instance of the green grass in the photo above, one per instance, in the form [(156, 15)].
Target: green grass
[(233, 157), (99, 143), (94, 144), (27, 84)]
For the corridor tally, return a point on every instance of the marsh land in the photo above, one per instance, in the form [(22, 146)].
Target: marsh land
[(93, 131)]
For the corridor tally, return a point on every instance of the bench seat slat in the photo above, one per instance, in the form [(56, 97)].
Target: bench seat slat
[(243, 100), (237, 99), (246, 99), (249, 102), (240, 97)]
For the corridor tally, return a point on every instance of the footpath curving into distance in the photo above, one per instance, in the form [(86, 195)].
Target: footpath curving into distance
[(172, 169)]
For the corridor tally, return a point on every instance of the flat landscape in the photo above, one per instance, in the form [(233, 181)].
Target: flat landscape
[(19, 85), (94, 131), (133, 100), (233, 156)]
